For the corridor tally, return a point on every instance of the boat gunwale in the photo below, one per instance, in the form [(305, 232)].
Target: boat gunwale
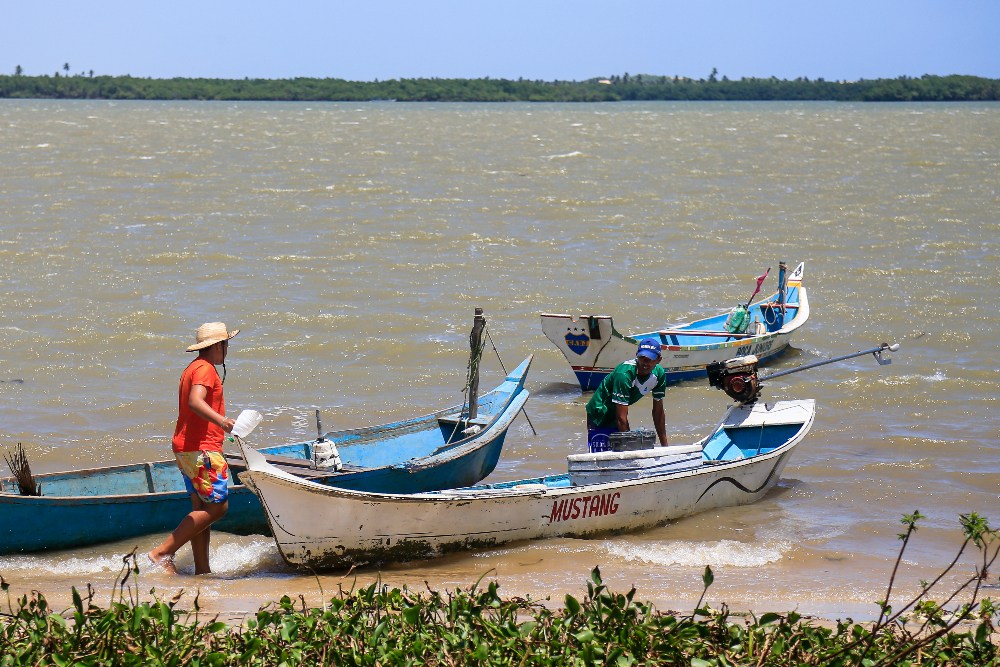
[(801, 316)]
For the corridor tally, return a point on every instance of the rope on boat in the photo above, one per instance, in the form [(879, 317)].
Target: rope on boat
[(473, 366), (471, 371), (504, 369)]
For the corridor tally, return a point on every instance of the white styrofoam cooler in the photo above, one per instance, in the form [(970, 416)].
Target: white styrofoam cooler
[(601, 467)]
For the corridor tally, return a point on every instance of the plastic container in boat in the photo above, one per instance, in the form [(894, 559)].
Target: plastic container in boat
[(602, 467)]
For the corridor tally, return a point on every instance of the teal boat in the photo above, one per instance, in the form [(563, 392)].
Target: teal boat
[(442, 450)]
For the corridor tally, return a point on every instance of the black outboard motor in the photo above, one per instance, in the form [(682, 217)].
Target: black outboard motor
[(737, 377)]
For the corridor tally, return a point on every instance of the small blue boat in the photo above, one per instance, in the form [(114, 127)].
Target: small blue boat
[(594, 347), (442, 450)]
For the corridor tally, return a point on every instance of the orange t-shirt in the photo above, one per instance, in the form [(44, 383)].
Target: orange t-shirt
[(194, 433)]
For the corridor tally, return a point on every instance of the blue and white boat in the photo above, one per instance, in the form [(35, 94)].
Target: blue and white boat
[(609, 492), (593, 346), (438, 451)]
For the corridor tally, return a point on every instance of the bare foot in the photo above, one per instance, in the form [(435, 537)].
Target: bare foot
[(163, 563)]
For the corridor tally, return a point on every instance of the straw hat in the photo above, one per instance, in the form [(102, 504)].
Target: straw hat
[(210, 334)]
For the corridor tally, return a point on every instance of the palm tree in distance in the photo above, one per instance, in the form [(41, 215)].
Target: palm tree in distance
[(17, 71), (66, 67)]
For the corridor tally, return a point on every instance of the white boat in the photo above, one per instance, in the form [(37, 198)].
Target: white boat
[(326, 527), (593, 347)]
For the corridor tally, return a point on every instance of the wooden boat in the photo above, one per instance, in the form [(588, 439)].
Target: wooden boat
[(117, 502), (594, 347), (325, 527)]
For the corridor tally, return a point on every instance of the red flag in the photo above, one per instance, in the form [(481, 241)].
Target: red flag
[(760, 281)]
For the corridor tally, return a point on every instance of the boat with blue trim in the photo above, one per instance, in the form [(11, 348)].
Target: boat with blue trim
[(593, 346), (445, 449), (607, 492)]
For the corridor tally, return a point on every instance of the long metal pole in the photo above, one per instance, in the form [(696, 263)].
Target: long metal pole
[(881, 348)]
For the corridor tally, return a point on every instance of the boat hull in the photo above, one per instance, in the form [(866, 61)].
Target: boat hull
[(321, 527), (35, 524)]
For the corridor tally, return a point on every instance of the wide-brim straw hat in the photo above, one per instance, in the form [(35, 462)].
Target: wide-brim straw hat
[(211, 333)]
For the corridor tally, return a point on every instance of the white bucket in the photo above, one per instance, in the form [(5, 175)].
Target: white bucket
[(246, 422)]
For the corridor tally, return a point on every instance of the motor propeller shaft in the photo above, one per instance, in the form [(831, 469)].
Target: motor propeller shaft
[(738, 377)]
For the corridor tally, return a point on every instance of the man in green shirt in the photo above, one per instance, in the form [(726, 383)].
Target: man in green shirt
[(607, 410)]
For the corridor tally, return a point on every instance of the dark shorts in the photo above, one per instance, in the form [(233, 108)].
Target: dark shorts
[(597, 437)]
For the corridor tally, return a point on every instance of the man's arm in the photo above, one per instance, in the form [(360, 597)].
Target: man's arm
[(658, 422), (621, 414), (196, 401)]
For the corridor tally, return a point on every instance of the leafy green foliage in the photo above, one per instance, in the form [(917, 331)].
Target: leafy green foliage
[(381, 626), (377, 626), (926, 88)]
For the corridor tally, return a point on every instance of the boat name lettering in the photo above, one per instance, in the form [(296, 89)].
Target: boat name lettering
[(757, 349), (586, 506)]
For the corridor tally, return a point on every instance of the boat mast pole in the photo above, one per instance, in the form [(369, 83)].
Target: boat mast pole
[(875, 351), (476, 345)]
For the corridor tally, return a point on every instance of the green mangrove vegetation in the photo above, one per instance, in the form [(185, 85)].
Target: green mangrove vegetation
[(615, 88), (378, 626)]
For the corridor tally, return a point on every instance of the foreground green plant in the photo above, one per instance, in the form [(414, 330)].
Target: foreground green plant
[(377, 625)]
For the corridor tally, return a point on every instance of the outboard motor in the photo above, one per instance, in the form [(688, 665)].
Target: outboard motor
[(737, 377)]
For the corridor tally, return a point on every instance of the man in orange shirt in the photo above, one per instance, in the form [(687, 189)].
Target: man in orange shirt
[(197, 444)]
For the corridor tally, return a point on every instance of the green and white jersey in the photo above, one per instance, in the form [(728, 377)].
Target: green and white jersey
[(623, 387)]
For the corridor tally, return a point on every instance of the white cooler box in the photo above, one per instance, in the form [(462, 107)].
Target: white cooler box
[(601, 467)]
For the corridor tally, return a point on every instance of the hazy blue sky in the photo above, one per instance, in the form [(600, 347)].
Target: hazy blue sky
[(540, 39)]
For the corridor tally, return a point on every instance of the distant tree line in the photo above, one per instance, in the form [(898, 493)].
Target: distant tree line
[(927, 88)]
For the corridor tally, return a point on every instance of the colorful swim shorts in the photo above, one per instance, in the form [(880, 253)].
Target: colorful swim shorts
[(205, 473)]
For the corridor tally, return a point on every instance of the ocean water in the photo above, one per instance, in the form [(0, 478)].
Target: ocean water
[(351, 242)]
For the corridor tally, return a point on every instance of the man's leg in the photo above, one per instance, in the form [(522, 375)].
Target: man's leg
[(200, 542), (191, 528), (205, 477)]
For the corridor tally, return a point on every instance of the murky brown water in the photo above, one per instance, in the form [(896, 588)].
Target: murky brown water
[(351, 243)]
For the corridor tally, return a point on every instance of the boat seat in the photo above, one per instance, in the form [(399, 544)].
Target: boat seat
[(290, 464), (655, 452)]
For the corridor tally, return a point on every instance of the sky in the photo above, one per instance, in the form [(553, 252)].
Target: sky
[(539, 39)]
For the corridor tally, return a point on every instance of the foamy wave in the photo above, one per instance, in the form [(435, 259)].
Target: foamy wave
[(894, 380), (552, 157), (723, 552), (242, 555), (260, 553), (42, 565)]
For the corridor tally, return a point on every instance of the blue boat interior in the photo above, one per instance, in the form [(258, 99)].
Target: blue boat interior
[(397, 443), (372, 447), (766, 312), (134, 479), (726, 444)]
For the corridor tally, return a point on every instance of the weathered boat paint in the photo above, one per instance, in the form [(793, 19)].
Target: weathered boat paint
[(84, 507), (324, 527), (593, 347)]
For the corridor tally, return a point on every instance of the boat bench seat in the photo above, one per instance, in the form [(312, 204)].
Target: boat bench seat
[(290, 464)]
